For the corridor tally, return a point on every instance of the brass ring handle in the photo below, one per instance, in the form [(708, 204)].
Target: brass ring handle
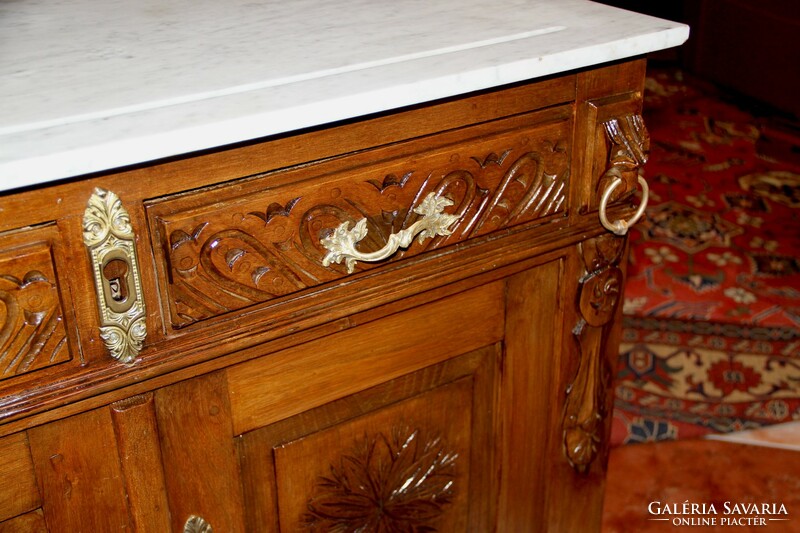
[(341, 245), (109, 237), (620, 227)]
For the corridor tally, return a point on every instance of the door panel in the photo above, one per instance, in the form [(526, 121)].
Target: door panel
[(420, 443)]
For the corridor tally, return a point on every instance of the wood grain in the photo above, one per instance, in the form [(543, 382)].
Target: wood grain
[(200, 465), (32, 522), (140, 456), (18, 491), (533, 331), (348, 362), (79, 474), (257, 448)]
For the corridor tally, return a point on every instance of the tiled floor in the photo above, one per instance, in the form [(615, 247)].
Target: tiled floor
[(652, 487)]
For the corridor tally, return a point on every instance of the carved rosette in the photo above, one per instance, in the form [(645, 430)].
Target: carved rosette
[(270, 246), (587, 405), (109, 237), (401, 482)]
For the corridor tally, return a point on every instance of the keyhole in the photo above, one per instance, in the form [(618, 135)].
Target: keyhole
[(116, 272)]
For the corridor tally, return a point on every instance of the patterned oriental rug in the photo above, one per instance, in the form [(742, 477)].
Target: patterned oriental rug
[(712, 302)]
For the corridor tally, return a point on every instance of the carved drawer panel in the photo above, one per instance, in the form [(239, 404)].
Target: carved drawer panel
[(32, 331), (224, 249)]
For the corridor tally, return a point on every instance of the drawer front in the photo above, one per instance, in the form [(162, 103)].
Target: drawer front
[(224, 249), (32, 332)]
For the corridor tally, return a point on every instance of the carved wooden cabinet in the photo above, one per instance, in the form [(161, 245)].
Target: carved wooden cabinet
[(399, 323)]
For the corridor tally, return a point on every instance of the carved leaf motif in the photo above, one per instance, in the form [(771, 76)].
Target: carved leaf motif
[(397, 483), (630, 146), (105, 215)]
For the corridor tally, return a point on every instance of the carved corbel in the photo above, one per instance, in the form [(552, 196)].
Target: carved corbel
[(630, 144), (587, 405)]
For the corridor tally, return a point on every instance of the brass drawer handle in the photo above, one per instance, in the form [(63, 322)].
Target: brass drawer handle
[(620, 227), (108, 234), (341, 245)]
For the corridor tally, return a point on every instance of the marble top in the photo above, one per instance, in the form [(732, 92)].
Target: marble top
[(92, 85)]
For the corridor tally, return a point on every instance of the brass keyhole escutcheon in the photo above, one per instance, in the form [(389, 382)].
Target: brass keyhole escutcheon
[(116, 272), (111, 242)]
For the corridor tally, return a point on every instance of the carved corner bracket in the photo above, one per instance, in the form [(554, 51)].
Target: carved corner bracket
[(630, 144), (598, 298), (109, 237)]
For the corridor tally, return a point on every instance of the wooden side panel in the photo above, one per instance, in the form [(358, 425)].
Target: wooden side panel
[(79, 474), (202, 471), (140, 455), (533, 330), (289, 382), (18, 491), (415, 452)]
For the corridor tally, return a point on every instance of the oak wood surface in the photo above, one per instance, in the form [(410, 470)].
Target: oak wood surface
[(32, 522), (348, 362), (200, 464), (79, 474), (137, 434), (19, 494), (533, 331)]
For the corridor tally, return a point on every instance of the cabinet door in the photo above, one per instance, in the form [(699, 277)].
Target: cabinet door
[(445, 415)]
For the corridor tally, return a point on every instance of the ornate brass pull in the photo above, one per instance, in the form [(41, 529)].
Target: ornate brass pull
[(341, 245), (108, 235), (620, 227)]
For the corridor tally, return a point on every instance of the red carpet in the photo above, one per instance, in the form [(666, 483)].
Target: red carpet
[(712, 302)]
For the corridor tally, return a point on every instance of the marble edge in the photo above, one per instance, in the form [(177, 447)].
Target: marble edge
[(107, 156)]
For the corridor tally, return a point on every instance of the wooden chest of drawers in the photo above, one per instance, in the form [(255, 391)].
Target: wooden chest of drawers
[(196, 345)]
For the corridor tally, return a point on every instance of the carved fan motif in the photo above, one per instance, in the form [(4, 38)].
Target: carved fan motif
[(270, 246), (391, 483)]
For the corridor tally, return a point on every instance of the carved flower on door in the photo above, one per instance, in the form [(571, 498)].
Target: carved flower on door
[(386, 484)]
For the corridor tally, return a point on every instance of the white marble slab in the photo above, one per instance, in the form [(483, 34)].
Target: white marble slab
[(92, 85)]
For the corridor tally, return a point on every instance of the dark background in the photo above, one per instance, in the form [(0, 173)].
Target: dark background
[(750, 47)]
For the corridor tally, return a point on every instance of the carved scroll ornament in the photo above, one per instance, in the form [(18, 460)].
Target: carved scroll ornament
[(220, 259), (586, 405), (32, 334)]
